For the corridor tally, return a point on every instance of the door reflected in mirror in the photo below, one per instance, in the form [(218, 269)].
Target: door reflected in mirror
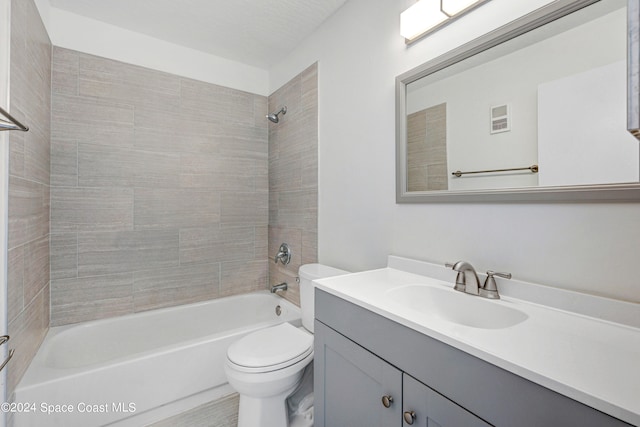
[(545, 109)]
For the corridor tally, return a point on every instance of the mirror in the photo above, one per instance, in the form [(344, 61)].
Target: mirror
[(534, 111)]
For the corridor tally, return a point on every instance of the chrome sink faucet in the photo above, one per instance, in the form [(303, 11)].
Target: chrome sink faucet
[(465, 270), (462, 284)]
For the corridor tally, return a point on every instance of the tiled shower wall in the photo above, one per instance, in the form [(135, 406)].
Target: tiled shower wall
[(293, 178), (28, 233), (427, 149), (159, 189)]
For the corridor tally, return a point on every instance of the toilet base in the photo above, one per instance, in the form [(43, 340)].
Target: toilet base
[(263, 396), (264, 412)]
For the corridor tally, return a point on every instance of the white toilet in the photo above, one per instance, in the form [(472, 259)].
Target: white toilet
[(266, 366)]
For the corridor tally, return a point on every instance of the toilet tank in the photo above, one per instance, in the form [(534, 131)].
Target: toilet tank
[(308, 273)]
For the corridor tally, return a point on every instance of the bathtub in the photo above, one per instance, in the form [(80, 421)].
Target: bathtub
[(140, 368)]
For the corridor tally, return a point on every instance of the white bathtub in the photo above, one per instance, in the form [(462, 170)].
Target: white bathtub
[(141, 367)]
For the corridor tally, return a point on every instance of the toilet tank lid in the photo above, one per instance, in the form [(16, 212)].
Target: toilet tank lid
[(319, 271)]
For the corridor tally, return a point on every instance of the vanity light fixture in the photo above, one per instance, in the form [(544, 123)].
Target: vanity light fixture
[(427, 16)]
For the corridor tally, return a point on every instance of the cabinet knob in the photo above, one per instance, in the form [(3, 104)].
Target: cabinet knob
[(409, 417), (387, 401)]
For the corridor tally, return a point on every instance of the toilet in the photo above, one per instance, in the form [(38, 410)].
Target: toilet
[(267, 366)]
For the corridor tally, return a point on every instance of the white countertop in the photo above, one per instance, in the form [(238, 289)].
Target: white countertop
[(594, 361)]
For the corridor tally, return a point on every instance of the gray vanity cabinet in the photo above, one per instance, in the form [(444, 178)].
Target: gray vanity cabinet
[(360, 357), (424, 407), (356, 388), (354, 383)]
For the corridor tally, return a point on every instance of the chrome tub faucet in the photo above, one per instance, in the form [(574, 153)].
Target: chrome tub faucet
[(281, 287)]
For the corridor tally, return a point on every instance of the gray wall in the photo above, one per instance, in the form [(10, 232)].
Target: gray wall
[(159, 189), (293, 177), (28, 240)]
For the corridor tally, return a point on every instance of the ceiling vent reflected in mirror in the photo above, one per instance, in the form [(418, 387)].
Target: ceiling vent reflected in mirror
[(427, 16)]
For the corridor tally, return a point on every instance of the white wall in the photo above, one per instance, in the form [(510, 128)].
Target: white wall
[(586, 247), (87, 35), (582, 136)]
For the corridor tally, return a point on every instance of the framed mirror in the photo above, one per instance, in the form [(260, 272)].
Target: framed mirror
[(546, 108)]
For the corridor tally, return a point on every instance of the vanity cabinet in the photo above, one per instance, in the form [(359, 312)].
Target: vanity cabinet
[(355, 382), (360, 389), (361, 357), (424, 407)]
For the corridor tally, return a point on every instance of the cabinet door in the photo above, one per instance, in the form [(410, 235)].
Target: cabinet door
[(351, 384), (430, 409)]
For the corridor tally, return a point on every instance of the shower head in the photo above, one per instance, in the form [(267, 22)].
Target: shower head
[(274, 116)]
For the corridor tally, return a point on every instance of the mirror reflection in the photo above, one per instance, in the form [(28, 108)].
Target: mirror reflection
[(545, 109)]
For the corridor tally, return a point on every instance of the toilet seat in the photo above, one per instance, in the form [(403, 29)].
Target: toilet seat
[(270, 349)]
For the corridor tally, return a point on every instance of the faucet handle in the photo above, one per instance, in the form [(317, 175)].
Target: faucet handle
[(490, 289), (495, 273), (284, 254)]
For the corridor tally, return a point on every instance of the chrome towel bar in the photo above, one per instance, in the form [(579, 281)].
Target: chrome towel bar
[(532, 168), (12, 124)]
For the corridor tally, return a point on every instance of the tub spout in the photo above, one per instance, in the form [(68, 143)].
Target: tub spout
[(281, 287)]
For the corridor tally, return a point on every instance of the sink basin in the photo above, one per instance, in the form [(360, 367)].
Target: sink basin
[(456, 307)]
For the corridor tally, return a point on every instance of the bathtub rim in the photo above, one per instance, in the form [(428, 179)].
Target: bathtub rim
[(40, 372)]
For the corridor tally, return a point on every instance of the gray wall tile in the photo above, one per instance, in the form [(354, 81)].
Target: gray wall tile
[(218, 103), (126, 251), (177, 122), (170, 140), (105, 166), (28, 213), (64, 162), (91, 209), (27, 331), (293, 178), (261, 246), (244, 208), (29, 180), (175, 208), (15, 282), (37, 152), (213, 171), (36, 277), (89, 298), (238, 277), (64, 255), (76, 116), (177, 285), (215, 244), (16, 154), (139, 164), (64, 71), (134, 85)]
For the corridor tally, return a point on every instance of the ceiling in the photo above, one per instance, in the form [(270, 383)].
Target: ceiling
[(254, 32)]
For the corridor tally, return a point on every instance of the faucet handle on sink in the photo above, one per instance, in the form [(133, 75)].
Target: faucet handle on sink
[(490, 289), (495, 273)]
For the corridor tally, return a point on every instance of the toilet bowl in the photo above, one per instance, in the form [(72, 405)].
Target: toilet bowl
[(266, 366)]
